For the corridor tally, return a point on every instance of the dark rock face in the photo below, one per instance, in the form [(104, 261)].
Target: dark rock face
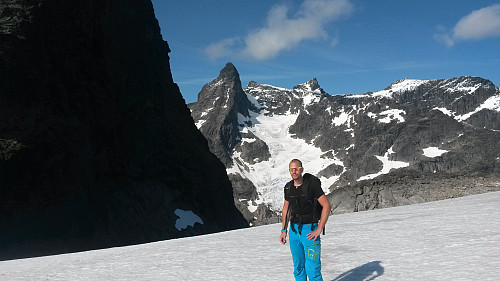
[(218, 106), (217, 111), (360, 137), (408, 187), (97, 146), (255, 151)]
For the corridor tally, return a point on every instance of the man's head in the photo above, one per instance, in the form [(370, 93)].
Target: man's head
[(296, 169)]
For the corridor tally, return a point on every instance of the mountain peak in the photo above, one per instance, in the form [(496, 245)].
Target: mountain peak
[(405, 84), (313, 83), (310, 86), (229, 72)]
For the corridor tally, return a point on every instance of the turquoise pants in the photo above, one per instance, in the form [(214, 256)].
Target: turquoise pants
[(305, 253)]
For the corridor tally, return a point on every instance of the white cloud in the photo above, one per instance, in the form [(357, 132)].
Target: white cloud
[(444, 36), (221, 48), (479, 24), (283, 32)]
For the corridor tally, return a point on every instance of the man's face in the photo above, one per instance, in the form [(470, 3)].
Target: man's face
[(295, 170)]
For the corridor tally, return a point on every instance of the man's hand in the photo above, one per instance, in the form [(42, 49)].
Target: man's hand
[(313, 235), (283, 238)]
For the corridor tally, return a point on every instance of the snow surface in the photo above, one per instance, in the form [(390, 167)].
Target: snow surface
[(456, 239)]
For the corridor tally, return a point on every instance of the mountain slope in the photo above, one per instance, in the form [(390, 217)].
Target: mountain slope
[(97, 146), (370, 151)]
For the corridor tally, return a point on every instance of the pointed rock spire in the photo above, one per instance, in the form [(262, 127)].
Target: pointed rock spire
[(229, 72)]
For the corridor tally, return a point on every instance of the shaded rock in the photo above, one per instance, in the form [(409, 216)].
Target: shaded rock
[(98, 148)]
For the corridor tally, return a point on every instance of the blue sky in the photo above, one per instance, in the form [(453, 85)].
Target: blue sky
[(350, 46)]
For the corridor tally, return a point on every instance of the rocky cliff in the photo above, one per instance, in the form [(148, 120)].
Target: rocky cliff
[(415, 141), (97, 146)]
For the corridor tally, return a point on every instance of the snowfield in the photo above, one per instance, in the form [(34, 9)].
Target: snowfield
[(456, 239)]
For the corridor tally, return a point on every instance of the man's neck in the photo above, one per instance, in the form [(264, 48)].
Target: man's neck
[(298, 182)]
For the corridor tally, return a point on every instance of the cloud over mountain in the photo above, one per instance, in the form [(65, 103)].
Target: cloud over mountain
[(283, 31), (479, 24)]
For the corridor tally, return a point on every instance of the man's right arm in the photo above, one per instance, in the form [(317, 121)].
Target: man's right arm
[(283, 215), (284, 220)]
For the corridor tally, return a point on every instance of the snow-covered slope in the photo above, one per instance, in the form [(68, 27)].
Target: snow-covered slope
[(455, 239), (270, 176)]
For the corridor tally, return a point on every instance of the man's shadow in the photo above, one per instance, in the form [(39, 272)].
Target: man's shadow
[(365, 272)]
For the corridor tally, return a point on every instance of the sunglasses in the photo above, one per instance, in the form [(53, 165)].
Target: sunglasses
[(299, 169)]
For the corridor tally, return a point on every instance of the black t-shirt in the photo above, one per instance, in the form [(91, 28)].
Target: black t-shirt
[(300, 204)]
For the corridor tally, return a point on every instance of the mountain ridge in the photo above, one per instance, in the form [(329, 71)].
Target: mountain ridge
[(357, 140)]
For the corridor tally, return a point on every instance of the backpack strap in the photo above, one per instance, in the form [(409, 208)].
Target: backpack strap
[(305, 185), (311, 199), (287, 188), (305, 190)]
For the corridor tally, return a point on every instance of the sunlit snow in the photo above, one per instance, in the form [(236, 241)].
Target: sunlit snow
[(310, 98), (397, 87), (455, 239), (492, 103), (392, 114), (342, 119), (388, 165), (464, 87), (432, 152)]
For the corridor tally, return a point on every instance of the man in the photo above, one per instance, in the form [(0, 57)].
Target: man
[(302, 196)]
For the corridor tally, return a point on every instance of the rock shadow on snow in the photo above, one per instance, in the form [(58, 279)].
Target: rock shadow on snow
[(365, 272)]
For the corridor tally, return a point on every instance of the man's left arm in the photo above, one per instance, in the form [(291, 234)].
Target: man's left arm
[(323, 201)]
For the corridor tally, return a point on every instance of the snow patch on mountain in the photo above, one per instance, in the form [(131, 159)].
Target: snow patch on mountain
[(275, 87), (432, 152), (388, 116), (400, 86), (252, 205), (227, 98), (200, 121), (388, 165), (392, 114), (311, 98), (342, 119), (186, 218), (464, 87), (492, 103)]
